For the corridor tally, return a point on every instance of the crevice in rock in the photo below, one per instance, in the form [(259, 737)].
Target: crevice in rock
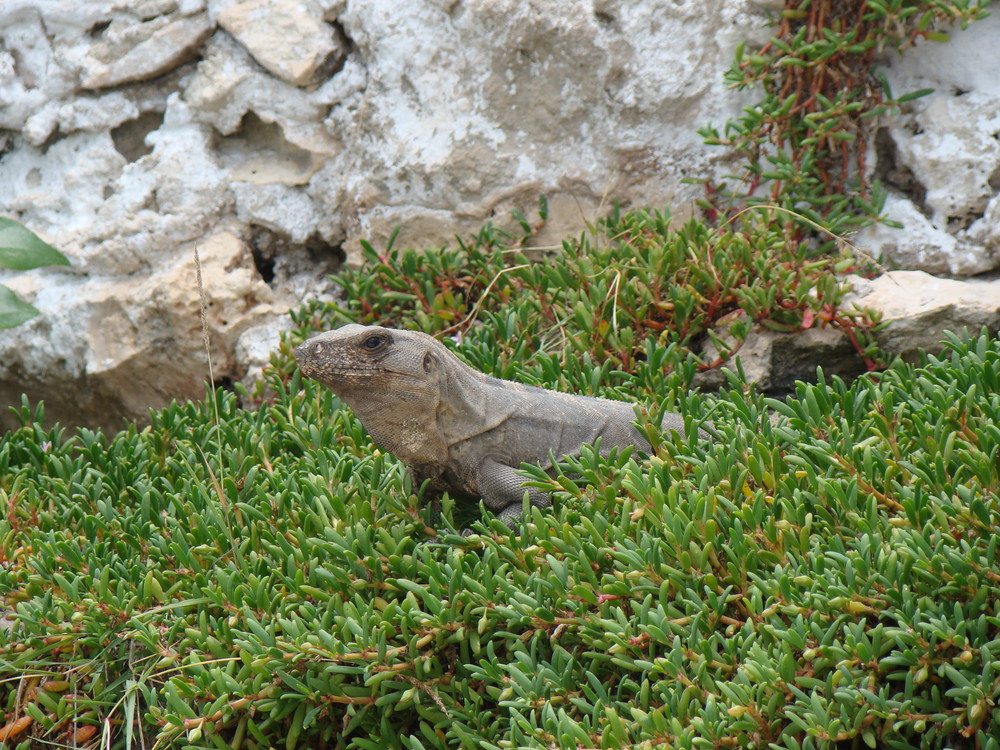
[(345, 39), (605, 20), (130, 137), (253, 129), (323, 252), (54, 137), (97, 30), (994, 179), (20, 71), (278, 259), (225, 383), (975, 213), (958, 223), (891, 172), (262, 249), (407, 88), (335, 61)]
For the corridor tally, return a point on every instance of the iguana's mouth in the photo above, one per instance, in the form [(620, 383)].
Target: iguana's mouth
[(317, 371)]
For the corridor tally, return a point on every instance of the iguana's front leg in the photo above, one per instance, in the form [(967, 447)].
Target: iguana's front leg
[(502, 489)]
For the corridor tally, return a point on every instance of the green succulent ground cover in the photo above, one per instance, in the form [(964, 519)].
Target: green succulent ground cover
[(233, 578)]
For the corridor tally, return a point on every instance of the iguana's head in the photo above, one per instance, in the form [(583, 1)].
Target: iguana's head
[(395, 382), (371, 361)]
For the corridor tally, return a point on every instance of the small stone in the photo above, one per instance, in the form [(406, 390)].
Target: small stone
[(285, 37), (774, 361), (163, 50), (255, 347)]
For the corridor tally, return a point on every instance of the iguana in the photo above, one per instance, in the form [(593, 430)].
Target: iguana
[(463, 430)]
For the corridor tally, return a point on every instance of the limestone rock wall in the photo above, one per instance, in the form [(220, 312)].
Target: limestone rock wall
[(273, 135)]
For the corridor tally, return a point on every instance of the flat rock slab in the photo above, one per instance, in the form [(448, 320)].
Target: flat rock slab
[(919, 308), (774, 361)]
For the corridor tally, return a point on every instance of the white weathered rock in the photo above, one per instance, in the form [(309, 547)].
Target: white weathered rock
[(228, 85), (941, 156), (145, 50), (919, 308), (288, 37), (255, 347), (277, 207), (136, 128), (587, 101), (33, 71), (918, 244)]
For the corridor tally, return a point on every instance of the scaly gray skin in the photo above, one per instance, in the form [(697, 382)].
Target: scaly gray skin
[(465, 431)]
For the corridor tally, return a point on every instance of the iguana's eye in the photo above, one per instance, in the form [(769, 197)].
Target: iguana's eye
[(317, 348), (373, 343)]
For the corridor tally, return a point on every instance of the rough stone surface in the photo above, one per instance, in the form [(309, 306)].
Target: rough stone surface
[(579, 99), (137, 52), (136, 130), (918, 309), (940, 158), (133, 130)]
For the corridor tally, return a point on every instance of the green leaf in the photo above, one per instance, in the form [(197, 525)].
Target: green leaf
[(22, 249), (915, 95), (13, 311)]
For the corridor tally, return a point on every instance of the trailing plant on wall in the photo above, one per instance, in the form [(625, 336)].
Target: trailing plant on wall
[(804, 144)]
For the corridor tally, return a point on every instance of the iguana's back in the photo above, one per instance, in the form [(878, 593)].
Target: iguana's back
[(541, 423)]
